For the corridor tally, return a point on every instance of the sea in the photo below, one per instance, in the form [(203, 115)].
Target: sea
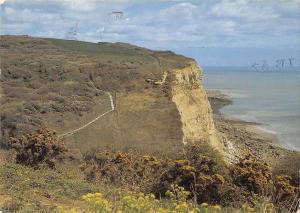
[(270, 97)]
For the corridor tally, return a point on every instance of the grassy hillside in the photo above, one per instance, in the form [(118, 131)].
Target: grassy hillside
[(53, 82)]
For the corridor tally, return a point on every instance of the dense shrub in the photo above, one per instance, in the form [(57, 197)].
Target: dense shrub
[(254, 176), (149, 174), (39, 148), (123, 169), (205, 158), (180, 173), (206, 180), (284, 192), (203, 177)]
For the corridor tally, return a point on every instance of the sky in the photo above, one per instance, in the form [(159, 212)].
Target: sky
[(215, 32)]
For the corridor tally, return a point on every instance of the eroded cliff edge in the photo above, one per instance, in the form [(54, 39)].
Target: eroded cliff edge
[(194, 108)]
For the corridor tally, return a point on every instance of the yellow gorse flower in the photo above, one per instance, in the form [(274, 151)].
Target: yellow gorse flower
[(62, 210), (204, 205), (132, 202), (162, 210), (177, 193), (139, 202), (96, 203)]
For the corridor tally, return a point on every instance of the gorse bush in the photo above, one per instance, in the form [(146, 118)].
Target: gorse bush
[(123, 169), (256, 177), (177, 193), (284, 191), (197, 174), (202, 176), (151, 175), (41, 148)]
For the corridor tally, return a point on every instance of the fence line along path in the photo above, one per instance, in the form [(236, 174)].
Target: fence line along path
[(112, 108)]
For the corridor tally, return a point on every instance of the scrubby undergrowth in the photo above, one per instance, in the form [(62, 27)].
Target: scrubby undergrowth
[(40, 148), (207, 180), (198, 172)]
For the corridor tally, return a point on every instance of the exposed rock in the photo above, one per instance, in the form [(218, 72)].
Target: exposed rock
[(191, 100)]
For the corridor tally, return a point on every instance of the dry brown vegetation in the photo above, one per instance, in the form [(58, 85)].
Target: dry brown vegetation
[(256, 177), (123, 169), (209, 180), (199, 169), (41, 148)]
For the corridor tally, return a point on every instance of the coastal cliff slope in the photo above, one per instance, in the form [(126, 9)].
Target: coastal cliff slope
[(195, 111), (159, 103), (126, 119)]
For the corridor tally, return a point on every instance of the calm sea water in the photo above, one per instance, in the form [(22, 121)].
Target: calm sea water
[(270, 98)]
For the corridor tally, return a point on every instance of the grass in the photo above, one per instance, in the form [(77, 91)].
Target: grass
[(41, 190), (70, 82), (30, 183), (102, 105), (140, 113), (89, 47)]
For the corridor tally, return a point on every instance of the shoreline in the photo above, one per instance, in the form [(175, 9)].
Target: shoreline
[(221, 100), (248, 138), (255, 128)]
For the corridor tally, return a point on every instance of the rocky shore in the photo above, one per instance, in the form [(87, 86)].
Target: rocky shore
[(245, 138)]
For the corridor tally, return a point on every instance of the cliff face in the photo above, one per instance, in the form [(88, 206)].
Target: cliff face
[(195, 111)]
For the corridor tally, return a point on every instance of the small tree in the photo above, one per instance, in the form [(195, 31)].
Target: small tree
[(39, 148)]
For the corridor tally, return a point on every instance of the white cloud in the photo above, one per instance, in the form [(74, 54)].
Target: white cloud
[(197, 23), (254, 9)]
